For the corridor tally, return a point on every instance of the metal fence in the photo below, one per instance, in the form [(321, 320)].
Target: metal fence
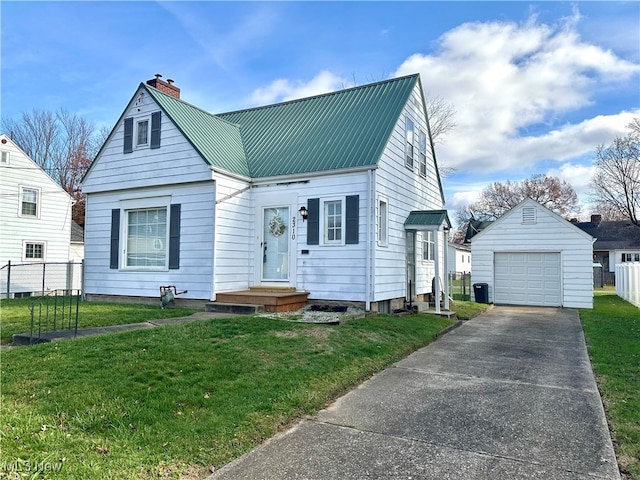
[(460, 285), (55, 311), (30, 279)]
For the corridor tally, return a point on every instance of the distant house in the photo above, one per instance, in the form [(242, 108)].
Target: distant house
[(532, 256), (459, 258), (76, 248), (336, 195), (616, 242), (35, 215)]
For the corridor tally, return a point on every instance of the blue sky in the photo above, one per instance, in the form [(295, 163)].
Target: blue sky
[(536, 86)]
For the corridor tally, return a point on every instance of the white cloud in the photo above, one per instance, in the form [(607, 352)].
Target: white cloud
[(282, 89), (504, 79)]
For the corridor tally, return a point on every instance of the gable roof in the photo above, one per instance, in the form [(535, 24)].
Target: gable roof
[(474, 227), (419, 219), (612, 235), (531, 203)]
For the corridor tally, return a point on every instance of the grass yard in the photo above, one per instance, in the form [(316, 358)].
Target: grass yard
[(612, 330), (15, 315), (172, 401)]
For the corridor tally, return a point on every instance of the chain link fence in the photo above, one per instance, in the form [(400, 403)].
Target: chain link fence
[(460, 285), (29, 279)]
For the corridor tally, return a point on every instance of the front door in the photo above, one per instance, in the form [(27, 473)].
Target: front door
[(275, 245)]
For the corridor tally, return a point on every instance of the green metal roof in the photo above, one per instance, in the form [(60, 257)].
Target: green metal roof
[(217, 140), (427, 218), (344, 129)]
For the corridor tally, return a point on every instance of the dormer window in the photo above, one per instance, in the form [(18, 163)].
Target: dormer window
[(142, 132)]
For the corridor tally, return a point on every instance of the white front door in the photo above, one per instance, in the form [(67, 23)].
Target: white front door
[(275, 245)]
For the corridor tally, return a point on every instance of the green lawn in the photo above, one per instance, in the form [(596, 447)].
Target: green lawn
[(15, 314), (174, 400), (612, 330)]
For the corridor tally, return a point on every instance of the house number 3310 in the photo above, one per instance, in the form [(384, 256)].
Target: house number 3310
[(293, 228)]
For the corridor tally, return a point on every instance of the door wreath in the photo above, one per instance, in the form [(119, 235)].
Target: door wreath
[(276, 226)]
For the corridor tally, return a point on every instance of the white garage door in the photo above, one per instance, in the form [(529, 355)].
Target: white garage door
[(528, 278)]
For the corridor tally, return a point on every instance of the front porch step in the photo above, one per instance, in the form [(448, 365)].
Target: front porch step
[(235, 308), (280, 300)]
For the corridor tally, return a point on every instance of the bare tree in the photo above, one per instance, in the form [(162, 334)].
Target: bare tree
[(498, 198), (616, 182), (62, 144)]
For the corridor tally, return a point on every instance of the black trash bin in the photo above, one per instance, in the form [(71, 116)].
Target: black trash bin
[(481, 292)]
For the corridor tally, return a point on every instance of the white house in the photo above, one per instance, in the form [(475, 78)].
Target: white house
[(459, 258), (337, 195), (35, 217), (532, 256)]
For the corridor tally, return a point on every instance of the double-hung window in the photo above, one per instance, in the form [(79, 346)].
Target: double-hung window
[(410, 127), (422, 152), (29, 202), (333, 221), (4, 158), (428, 246)]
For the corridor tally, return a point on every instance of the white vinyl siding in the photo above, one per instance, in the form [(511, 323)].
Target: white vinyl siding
[(113, 170), (51, 223), (549, 237)]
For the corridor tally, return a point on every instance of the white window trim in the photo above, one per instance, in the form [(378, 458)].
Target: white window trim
[(408, 143), (34, 242), (323, 221), (382, 242), (127, 206), (136, 127), (7, 158), (422, 155), (38, 201), (425, 240)]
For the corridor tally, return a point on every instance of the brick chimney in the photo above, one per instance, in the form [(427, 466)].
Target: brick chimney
[(596, 219), (167, 87)]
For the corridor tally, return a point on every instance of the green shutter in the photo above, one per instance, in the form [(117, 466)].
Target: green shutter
[(313, 221), (174, 237), (128, 135), (353, 219), (115, 238), (155, 129)]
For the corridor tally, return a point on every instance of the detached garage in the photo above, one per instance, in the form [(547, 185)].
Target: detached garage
[(532, 256)]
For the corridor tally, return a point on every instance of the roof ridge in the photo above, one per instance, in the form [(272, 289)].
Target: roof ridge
[(190, 105), (320, 95)]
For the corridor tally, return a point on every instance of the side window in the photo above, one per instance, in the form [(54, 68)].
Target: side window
[(409, 136), (143, 132), (142, 129), (422, 152), (33, 251), (29, 202), (428, 246), (383, 222), (4, 158)]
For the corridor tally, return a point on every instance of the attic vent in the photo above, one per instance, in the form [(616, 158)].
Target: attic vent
[(528, 215)]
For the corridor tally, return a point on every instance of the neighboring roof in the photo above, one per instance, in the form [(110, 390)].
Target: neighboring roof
[(474, 227), (77, 233), (466, 247), (419, 219), (612, 235)]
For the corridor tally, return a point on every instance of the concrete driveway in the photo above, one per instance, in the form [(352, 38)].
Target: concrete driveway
[(507, 395)]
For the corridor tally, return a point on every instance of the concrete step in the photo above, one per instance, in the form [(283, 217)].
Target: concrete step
[(235, 308)]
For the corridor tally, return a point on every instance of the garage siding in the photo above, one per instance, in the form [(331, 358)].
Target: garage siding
[(531, 256)]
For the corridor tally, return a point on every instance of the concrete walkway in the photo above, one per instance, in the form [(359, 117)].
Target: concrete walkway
[(507, 395)]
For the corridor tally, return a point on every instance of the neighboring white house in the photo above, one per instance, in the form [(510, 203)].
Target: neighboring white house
[(532, 256), (337, 195), (35, 216), (459, 258)]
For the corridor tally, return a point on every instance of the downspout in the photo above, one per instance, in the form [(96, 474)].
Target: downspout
[(370, 243)]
